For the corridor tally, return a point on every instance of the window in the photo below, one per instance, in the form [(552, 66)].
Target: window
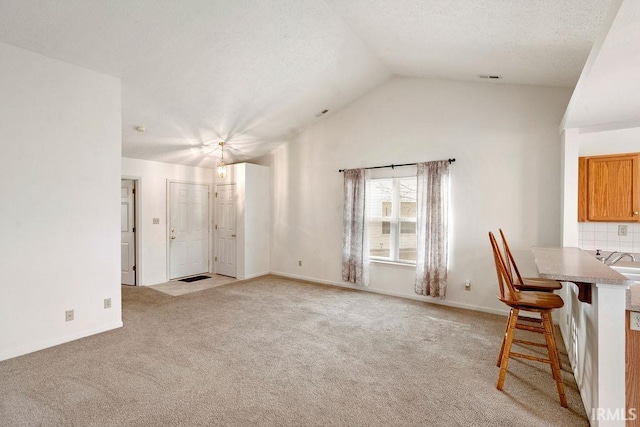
[(392, 219)]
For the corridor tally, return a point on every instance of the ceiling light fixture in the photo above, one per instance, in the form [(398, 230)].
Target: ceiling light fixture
[(222, 168)]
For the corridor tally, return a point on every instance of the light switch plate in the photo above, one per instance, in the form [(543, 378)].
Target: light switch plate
[(634, 321), (622, 230), (156, 220)]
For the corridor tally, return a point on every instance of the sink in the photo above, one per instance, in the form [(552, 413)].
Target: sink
[(632, 272)]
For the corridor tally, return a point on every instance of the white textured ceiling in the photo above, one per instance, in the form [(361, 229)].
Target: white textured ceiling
[(255, 72), (608, 95)]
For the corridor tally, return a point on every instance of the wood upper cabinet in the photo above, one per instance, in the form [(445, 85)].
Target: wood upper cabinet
[(608, 188)]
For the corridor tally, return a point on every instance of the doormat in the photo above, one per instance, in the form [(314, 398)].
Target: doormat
[(194, 278)]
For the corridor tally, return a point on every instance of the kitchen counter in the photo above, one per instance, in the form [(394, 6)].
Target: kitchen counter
[(592, 323), (575, 265)]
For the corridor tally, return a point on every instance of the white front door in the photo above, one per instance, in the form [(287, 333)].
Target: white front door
[(226, 230), (127, 233), (188, 229)]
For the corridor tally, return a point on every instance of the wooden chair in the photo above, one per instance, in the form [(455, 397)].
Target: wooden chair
[(537, 284), (526, 301), (527, 283)]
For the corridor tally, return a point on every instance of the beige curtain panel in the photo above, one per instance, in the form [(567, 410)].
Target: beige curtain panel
[(432, 228), (353, 236)]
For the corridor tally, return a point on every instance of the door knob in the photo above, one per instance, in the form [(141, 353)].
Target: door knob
[(173, 237)]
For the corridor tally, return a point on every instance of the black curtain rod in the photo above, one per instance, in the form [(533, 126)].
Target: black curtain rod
[(394, 166)]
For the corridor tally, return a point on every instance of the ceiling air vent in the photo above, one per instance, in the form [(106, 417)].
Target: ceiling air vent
[(489, 76)]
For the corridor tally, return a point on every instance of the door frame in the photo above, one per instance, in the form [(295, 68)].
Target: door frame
[(168, 224), (137, 214)]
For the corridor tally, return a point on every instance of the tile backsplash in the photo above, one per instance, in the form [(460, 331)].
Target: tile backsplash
[(605, 236)]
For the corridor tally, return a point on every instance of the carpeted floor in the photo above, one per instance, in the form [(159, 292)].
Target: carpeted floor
[(277, 352)]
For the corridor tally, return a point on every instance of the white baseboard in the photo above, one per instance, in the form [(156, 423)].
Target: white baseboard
[(253, 276), (19, 351), (431, 300)]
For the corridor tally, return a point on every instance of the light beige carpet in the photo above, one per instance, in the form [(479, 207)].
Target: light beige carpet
[(277, 352), (176, 287)]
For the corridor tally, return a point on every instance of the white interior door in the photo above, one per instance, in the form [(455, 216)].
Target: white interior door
[(127, 233), (226, 224), (188, 229)]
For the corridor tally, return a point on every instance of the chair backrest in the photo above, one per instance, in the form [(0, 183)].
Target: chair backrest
[(505, 281), (510, 262)]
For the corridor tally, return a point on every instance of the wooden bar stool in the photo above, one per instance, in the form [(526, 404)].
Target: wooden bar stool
[(527, 283), (537, 284), (536, 302)]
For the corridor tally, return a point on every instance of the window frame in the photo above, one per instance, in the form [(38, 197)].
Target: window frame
[(395, 221)]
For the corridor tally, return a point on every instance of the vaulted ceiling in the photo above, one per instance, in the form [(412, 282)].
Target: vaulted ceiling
[(608, 93), (254, 73)]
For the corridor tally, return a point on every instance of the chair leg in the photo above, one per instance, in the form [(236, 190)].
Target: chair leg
[(504, 337), (553, 356), (555, 342), (508, 340)]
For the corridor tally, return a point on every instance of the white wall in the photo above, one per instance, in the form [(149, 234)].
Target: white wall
[(253, 208), (507, 174), (152, 191), (257, 219), (60, 131), (609, 142)]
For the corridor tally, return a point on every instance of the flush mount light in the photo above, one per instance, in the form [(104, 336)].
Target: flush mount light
[(140, 129), (222, 168), (489, 76)]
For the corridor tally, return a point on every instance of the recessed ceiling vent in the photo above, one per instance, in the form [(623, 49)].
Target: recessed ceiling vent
[(489, 76), (322, 113)]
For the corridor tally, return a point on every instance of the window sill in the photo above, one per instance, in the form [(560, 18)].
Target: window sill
[(393, 263)]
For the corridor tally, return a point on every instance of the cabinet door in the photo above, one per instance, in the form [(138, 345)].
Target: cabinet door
[(612, 193)]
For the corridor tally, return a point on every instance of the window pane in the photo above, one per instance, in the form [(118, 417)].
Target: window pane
[(408, 228), (381, 198), (407, 189), (407, 238), (408, 241), (381, 193), (379, 238), (386, 227)]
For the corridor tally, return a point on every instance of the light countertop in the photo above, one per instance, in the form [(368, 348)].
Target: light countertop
[(578, 266), (575, 265)]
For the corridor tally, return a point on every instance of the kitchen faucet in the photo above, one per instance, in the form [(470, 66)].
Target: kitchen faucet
[(619, 257)]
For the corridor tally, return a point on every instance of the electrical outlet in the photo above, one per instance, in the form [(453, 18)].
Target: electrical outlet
[(622, 230), (68, 315), (300, 263), (156, 220), (467, 285), (107, 303), (634, 321)]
